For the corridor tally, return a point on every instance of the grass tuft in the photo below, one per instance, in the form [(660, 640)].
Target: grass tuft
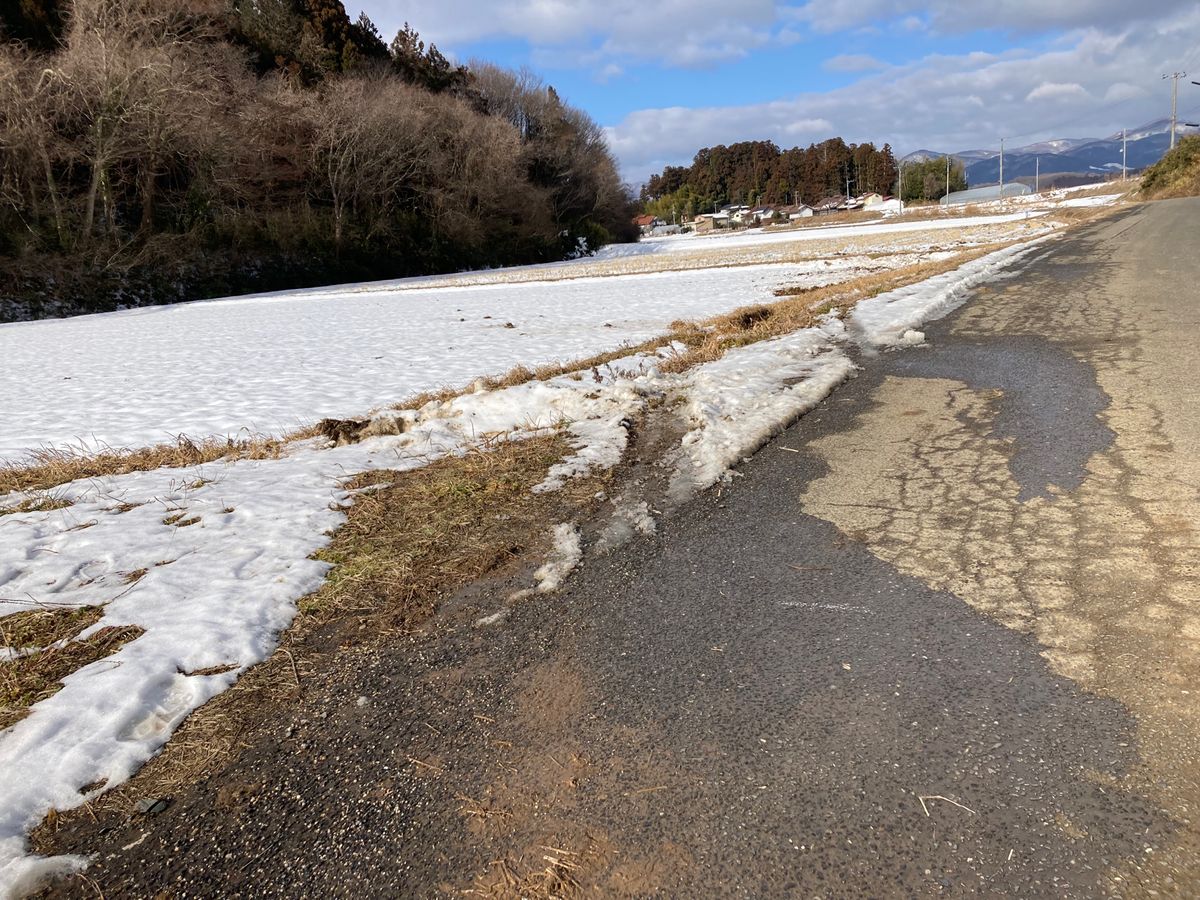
[(43, 503), (38, 674), (38, 628), (52, 466), (434, 529)]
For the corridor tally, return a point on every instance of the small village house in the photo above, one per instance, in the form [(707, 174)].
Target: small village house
[(647, 224)]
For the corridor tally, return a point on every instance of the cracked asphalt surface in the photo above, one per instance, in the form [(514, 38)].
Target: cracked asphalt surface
[(883, 661)]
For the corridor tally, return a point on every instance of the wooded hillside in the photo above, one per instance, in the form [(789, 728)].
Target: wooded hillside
[(754, 172), (156, 150)]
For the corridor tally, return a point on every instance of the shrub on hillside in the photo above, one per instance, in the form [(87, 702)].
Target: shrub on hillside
[(1177, 174), (279, 139)]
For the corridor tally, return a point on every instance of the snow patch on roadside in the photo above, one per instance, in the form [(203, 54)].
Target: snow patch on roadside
[(629, 517), (566, 552), (891, 319), (494, 619), (739, 402)]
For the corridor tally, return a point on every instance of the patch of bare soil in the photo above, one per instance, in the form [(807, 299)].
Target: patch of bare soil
[(535, 817)]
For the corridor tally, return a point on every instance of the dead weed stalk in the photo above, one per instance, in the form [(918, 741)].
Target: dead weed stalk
[(48, 467), (36, 675)]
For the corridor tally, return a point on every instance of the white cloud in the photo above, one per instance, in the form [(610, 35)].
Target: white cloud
[(1091, 85), (950, 16), (1057, 91), (609, 72), (686, 33), (707, 33), (1122, 91)]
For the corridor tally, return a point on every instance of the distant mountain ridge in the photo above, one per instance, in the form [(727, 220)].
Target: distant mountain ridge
[(1082, 156)]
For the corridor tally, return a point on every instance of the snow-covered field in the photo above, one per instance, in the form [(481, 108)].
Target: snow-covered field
[(219, 590), (268, 364), (1083, 195)]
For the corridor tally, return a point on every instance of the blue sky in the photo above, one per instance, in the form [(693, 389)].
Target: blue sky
[(667, 77), (761, 75)]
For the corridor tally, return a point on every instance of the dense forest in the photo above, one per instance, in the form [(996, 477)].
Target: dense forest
[(158, 150), (932, 179), (758, 172), (754, 172)]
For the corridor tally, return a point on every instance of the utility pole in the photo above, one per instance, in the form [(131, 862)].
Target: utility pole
[(1123, 149), (1174, 76), (1001, 168), (947, 176), (1037, 174)]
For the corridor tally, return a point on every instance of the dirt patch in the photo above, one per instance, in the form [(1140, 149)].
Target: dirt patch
[(551, 697), (541, 818)]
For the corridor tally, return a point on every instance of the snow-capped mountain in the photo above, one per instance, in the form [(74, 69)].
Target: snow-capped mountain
[(1145, 145)]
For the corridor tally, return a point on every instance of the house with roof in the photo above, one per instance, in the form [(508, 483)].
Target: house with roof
[(647, 224), (707, 222), (739, 214), (798, 211), (830, 204)]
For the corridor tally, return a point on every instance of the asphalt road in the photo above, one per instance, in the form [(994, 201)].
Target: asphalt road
[(938, 638)]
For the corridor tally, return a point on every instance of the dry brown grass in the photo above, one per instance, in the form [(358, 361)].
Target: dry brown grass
[(38, 674), (800, 308), (435, 529), (550, 878), (53, 466), (1175, 175), (37, 628), (39, 503), (406, 546)]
